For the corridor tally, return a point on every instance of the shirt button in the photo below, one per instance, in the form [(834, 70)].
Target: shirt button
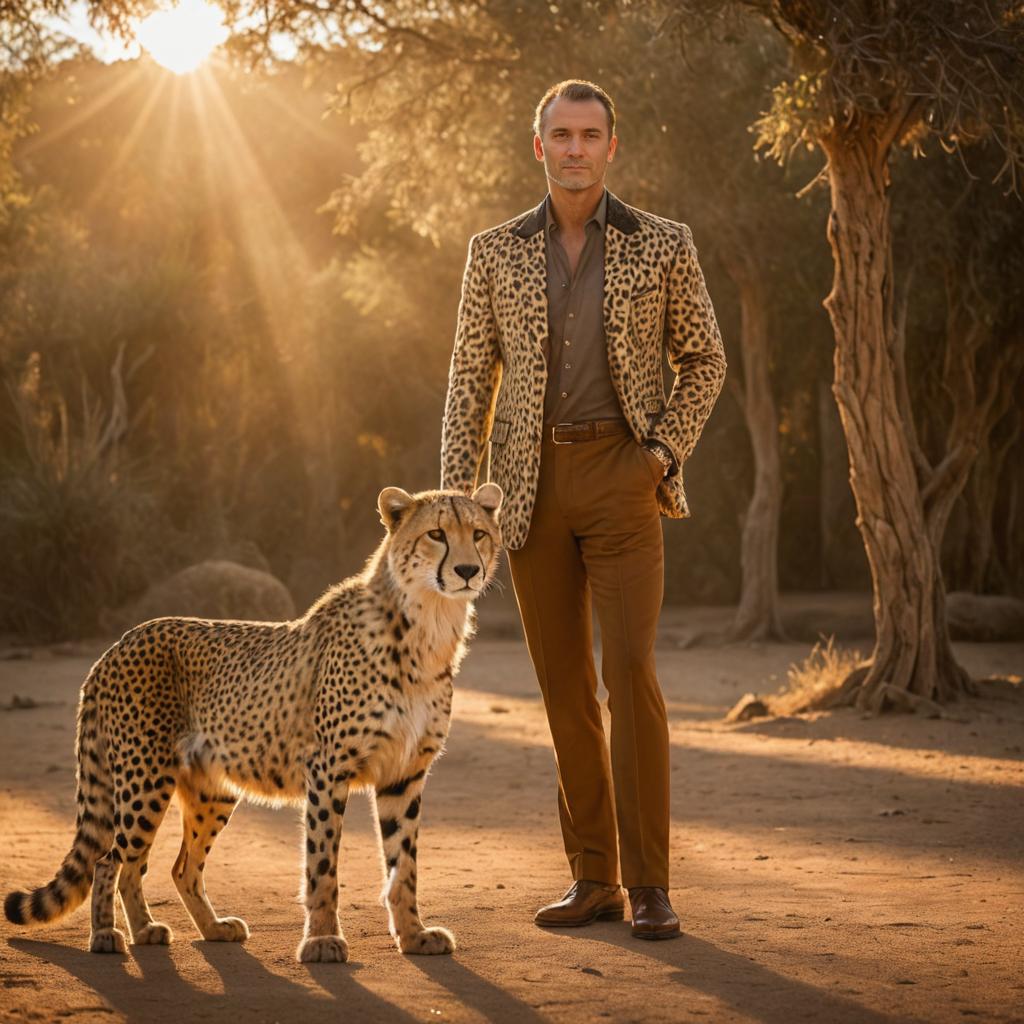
[(565, 394), (568, 342), (572, 316)]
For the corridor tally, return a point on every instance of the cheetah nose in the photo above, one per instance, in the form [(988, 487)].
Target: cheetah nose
[(467, 572)]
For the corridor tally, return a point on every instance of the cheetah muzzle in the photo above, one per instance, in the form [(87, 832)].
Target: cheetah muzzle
[(355, 694)]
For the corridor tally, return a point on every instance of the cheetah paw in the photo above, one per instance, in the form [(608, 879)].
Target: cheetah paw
[(107, 940), (323, 949), (428, 942), (153, 934), (227, 929)]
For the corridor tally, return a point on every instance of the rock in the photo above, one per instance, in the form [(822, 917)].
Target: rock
[(747, 707), (213, 589), (243, 552), (984, 617)]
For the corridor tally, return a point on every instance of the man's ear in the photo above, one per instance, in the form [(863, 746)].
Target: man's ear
[(489, 498), (392, 504)]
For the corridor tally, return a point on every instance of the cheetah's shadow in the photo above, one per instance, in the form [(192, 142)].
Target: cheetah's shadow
[(250, 990)]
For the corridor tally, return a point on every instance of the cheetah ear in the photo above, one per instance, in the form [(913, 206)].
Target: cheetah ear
[(489, 498), (392, 503)]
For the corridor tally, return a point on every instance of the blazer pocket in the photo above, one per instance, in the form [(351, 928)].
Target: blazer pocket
[(654, 405), (499, 431), (643, 292)]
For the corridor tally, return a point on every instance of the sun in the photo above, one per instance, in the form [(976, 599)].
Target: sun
[(182, 37)]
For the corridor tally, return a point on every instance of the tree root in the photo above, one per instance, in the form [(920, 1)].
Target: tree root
[(875, 701)]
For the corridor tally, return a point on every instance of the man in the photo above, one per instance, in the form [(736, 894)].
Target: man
[(565, 314)]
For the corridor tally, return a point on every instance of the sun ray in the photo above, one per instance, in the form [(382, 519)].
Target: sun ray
[(272, 255), (85, 112), (276, 256), (124, 150)]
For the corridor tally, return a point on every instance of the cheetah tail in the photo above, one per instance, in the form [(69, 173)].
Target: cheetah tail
[(94, 833)]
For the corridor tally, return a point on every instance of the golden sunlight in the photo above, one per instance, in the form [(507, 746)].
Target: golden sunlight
[(183, 37)]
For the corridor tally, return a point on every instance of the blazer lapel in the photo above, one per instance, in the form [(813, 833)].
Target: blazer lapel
[(620, 239), (530, 272)]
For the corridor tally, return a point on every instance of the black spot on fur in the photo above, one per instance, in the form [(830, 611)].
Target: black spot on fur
[(399, 788)]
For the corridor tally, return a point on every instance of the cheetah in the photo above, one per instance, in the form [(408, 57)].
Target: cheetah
[(354, 695)]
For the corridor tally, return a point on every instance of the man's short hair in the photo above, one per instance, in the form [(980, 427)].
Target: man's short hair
[(574, 89)]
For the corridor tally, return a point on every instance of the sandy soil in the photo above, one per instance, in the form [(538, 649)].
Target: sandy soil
[(837, 868)]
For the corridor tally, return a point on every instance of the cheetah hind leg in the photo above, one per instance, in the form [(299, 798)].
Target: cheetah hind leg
[(145, 931), (138, 813), (105, 937), (203, 816), (140, 821)]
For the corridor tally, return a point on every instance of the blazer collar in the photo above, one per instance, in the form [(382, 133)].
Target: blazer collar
[(619, 216)]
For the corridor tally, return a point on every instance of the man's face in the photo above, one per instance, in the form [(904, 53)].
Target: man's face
[(574, 144)]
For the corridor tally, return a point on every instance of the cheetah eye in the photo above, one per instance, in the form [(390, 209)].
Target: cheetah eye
[(479, 534), (436, 534)]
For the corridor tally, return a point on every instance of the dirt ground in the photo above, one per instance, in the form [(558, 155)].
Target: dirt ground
[(833, 868)]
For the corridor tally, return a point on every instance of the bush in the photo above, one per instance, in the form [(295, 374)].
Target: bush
[(73, 518)]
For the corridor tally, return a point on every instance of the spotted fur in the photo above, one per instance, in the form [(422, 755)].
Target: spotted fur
[(356, 694), (655, 302)]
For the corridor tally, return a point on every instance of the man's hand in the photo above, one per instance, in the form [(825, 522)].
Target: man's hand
[(662, 454)]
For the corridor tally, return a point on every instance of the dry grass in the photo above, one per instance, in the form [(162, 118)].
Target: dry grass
[(814, 683)]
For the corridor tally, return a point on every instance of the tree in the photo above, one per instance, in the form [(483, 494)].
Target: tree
[(870, 75), (961, 320)]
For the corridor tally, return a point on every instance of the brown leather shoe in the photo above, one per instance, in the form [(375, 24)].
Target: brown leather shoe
[(584, 903), (653, 916)]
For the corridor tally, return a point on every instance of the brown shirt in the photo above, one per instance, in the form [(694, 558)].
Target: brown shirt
[(579, 382)]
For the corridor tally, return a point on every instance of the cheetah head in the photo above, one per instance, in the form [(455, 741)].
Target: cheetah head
[(442, 541)]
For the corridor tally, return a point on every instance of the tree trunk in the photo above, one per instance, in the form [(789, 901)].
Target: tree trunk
[(757, 617), (912, 662), (842, 564)]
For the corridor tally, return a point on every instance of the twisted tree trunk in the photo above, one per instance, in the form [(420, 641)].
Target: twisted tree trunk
[(912, 662)]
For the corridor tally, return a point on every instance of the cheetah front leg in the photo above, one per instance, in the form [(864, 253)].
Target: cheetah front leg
[(398, 810), (323, 941)]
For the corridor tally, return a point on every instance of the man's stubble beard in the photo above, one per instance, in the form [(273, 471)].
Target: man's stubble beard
[(571, 184)]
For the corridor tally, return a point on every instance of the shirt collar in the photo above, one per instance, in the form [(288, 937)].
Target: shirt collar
[(598, 217)]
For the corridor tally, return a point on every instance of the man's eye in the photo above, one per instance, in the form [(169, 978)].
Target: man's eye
[(479, 534), (436, 534)]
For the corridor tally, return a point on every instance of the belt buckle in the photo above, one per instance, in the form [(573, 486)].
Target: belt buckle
[(554, 440)]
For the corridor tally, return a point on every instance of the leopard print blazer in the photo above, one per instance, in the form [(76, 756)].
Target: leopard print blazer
[(655, 302)]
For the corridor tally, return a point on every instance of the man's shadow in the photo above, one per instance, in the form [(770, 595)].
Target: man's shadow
[(747, 987), (248, 987)]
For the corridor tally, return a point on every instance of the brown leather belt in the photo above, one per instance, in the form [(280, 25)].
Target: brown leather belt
[(589, 430)]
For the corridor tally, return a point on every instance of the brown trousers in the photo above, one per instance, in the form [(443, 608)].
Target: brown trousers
[(595, 534)]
